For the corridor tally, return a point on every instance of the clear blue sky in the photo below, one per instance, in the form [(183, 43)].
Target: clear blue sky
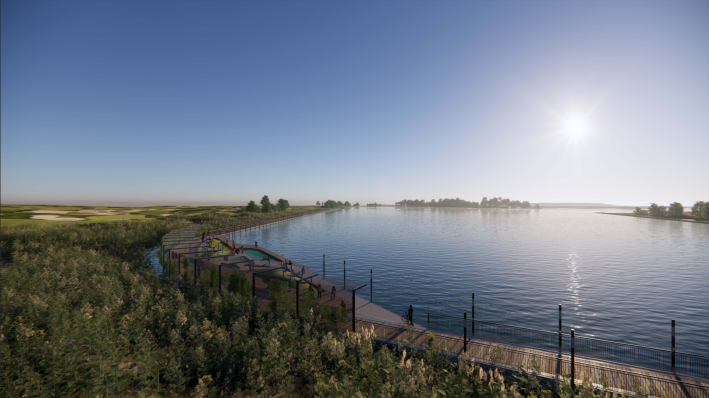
[(149, 102)]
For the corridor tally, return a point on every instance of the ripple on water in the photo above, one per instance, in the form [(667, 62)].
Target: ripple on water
[(618, 278)]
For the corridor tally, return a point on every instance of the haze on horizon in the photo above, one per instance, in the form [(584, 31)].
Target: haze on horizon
[(148, 103)]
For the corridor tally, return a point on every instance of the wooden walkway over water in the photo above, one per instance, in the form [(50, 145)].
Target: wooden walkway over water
[(389, 328)]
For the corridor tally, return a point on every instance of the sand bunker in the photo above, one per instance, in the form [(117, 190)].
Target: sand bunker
[(51, 217), (104, 212), (48, 211)]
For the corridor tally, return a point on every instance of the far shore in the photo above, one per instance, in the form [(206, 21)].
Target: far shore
[(685, 219)]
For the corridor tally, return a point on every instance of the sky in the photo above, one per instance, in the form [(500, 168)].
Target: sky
[(200, 103)]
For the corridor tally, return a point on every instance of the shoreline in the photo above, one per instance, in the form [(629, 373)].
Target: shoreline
[(691, 220)]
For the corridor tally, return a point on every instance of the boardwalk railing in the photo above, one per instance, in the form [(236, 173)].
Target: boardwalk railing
[(547, 364), (605, 350)]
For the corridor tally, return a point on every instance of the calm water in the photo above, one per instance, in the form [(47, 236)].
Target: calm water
[(618, 278)]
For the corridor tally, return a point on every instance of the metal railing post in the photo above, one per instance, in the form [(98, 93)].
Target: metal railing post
[(472, 332), (560, 331), (353, 311), (465, 332), (573, 360), (673, 345)]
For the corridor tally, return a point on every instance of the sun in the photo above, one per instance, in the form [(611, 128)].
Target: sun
[(575, 126)]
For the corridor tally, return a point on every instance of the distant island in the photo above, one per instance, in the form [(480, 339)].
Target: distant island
[(457, 202), (675, 211)]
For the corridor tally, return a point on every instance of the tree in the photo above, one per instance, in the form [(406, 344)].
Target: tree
[(347, 204), (537, 206), (330, 204), (484, 202), (282, 204), (494, 202), (657, 211), (266, 204), (317, 203), (676, 209), (356, 204), (339, 203), (705, 211), (639, 211), (251, 207), (697, 209)]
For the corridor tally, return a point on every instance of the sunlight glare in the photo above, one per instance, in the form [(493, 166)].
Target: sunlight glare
[(575, 126)]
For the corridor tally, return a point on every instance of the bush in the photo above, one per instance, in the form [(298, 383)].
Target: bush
[(239, 284), (101, 322)]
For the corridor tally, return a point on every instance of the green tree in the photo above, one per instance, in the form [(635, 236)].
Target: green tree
[(697, 209), (484, 202), (339, 203), (283, 205), (266, 205), (347, 204), (330, 204), (657, 211), (705, 211), (252, 207), (356, 204), (676, 209), (639, 211), (317, 203)]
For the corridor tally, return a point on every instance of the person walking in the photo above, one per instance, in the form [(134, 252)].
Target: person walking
[(332, 292), (256, 243), (411, 315), (319, 290)]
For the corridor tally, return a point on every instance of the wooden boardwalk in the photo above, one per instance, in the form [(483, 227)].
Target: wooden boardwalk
[(617, 378), (389, 328)]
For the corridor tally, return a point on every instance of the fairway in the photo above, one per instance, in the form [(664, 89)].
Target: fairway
[(32, 215)]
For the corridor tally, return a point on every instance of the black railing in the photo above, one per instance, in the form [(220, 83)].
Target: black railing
[(548, 364), (605, 350)]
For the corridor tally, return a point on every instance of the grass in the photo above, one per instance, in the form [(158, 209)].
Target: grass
[(84, 314), (224, 249), (17, 215)]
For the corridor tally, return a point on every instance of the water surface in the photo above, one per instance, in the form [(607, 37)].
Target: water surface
[(618, 278)]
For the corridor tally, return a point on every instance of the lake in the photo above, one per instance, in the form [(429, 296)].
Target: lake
[(618, 278)]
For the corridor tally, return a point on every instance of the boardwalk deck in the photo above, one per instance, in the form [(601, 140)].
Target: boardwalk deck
[(389, 328)]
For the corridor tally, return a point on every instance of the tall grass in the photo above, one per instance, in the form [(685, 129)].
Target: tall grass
[(84, 314)]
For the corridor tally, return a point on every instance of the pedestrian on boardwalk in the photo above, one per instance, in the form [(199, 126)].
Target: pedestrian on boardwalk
[(319, 290), (256, 244), (411, 315), (202, 236), (343, 305), (332, 292)]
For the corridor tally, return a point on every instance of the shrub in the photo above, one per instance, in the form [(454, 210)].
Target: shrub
[(79, 321), (239, 284)]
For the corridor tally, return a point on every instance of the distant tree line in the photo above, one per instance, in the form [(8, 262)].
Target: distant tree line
[(457, 202), (331, 204), (267, 206), (699, 210)]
